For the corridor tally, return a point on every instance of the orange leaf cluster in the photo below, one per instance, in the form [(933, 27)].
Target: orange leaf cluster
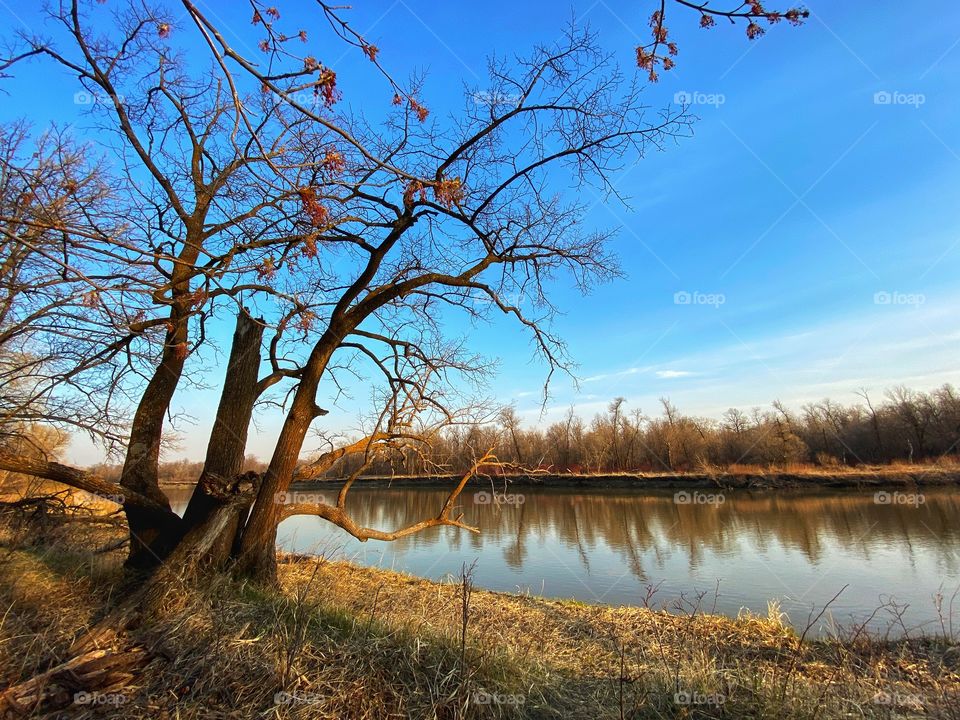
[(198, 297), (333, 162), (648, 57), (306, 320), (91, 299), (326, 87), (317, 212), (267, 268), (418, 109), (309, 249), (448, 192), (410, 194)]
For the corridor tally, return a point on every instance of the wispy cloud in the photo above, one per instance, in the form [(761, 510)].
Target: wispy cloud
[(669, 374)]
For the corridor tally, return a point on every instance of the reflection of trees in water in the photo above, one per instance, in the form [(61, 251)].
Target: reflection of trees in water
[(652, 525), (634, 524)]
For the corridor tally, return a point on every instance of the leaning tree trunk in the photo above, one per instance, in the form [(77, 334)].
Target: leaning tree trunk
[(226, 449), (151, 541), (257, 551)]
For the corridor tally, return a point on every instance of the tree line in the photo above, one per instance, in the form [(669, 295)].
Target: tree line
[(904, 425)]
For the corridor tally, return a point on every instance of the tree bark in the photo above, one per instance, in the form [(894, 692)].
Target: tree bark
[(150, 541), (257, 554), (228, 440)]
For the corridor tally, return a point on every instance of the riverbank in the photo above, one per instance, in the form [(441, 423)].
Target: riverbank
[(338, 641), (876, 477)]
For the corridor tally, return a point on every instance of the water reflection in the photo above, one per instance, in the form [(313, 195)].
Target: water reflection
[(609, 546)]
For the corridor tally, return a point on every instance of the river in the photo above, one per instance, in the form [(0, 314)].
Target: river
[(724, 552)]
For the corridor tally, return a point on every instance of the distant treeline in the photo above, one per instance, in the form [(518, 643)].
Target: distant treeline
[(906, 425)]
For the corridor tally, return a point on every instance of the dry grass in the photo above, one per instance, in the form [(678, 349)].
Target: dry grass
[(340, 641)]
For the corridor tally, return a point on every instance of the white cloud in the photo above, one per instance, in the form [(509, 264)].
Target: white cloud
[(668, 374)]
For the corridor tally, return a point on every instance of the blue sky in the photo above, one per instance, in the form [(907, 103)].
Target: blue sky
[(812, 228)]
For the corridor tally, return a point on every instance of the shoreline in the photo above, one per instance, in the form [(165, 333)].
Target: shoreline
[(874, 478)]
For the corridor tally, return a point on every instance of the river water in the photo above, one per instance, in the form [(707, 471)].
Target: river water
[(725, 553)]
